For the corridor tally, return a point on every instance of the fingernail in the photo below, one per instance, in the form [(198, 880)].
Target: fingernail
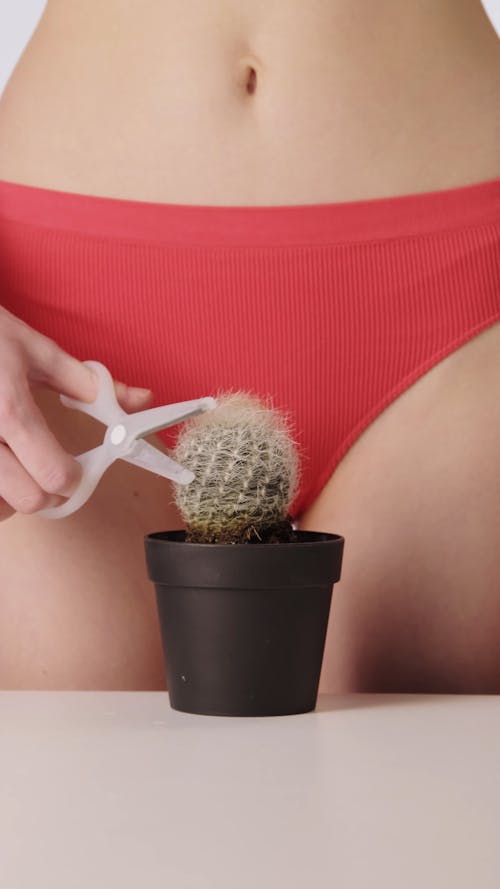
[(138, 391)]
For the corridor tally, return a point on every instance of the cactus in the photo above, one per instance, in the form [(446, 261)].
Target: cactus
[(246, 468)]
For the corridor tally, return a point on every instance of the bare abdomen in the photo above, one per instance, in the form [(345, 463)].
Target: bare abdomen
[(265, 103)]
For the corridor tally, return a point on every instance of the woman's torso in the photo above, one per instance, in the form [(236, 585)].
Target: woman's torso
[(350, 100)]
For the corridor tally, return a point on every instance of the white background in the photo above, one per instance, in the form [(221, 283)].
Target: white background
[(18, 18)]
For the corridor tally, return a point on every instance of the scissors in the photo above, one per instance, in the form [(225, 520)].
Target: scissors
[(123, 439)]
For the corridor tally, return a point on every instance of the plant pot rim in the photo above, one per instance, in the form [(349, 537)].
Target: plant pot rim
[(175, 538), (313, 560)]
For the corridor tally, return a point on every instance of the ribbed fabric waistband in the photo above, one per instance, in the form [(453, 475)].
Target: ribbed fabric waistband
[(262, 225)]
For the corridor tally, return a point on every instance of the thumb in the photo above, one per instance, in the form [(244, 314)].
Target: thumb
[(131, 398)]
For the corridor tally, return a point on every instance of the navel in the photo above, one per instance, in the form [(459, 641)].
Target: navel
[(251, 80), (248, 75)]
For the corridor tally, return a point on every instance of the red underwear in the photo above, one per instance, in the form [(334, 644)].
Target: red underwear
[(332, 310)]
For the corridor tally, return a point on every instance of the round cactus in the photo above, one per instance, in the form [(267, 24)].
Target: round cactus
[(246, 469)]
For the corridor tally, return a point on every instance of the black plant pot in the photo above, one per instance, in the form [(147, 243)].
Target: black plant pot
[(244, 625)]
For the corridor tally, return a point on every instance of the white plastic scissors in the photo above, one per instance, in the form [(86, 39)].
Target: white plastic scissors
[(123, 439)]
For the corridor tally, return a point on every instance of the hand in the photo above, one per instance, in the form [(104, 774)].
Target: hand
[(35, 470)]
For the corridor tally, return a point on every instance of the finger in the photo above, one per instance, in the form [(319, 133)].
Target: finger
[(36, 448), (55, 368), (131, 398), (18, 491), (60, 371)]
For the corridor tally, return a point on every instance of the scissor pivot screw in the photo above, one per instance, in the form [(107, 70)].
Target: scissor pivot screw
[(118, 434)]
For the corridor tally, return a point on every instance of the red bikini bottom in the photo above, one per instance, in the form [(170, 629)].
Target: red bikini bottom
[(332, 309)]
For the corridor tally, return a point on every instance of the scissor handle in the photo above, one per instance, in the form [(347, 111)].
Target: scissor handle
[(94, 463), (106, 409)]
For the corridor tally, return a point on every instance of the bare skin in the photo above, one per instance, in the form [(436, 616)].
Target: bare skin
[(270, 103)]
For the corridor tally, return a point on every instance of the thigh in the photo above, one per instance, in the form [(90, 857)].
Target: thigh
[(76, 607), (418, 500)]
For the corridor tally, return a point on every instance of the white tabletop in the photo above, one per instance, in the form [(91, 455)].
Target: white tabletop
[(117, 790)]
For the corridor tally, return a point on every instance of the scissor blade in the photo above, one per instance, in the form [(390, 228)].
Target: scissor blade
[(149, 457), (146, 422)]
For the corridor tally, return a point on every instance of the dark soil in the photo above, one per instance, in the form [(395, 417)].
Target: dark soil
[(280, 532)]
